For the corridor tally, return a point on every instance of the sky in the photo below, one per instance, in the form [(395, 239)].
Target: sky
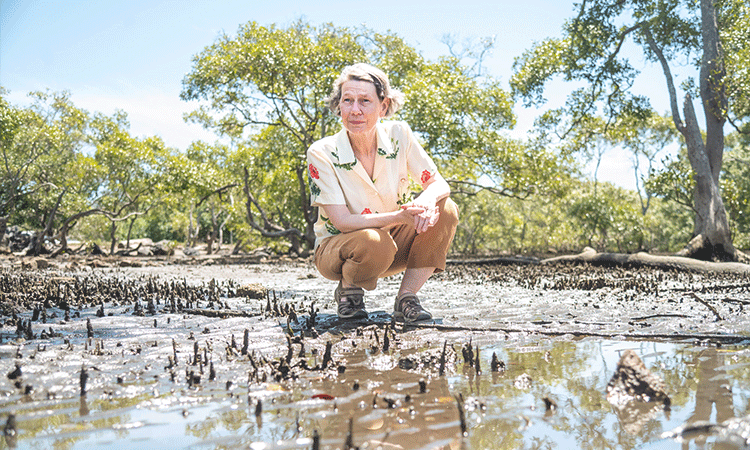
[(133, 54)]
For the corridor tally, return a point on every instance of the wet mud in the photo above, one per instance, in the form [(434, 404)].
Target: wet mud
[(251, 355)]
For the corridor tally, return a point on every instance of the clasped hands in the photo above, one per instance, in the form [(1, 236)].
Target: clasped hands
[(424, 214)]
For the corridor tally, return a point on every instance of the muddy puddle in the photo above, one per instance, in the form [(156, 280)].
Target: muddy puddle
[(176, 358)]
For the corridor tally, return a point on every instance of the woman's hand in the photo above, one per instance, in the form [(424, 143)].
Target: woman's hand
[(424, 209), (423, 216)]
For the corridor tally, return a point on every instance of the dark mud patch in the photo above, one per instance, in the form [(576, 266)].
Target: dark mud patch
[(518, 357)]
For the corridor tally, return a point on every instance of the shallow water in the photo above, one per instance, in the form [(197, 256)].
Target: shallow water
[(136, 398), (387, 409)]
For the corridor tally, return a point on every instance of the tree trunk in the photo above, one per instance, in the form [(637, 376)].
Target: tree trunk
[(713, 239), (222, 226), (211, 237), (193, 230), (3, 228), (48, 227), (130, 232), (310, 212), (267, 228), (113, 238), (68, 224)]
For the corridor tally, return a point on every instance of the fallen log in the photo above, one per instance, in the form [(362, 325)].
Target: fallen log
[(642, 259)]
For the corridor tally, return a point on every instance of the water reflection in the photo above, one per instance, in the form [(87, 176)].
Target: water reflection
[(714, 391), (390, 407)]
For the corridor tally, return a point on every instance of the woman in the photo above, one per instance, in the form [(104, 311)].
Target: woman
[(367, 228)]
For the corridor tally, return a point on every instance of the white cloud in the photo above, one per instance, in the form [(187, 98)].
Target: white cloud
[(150, 112)]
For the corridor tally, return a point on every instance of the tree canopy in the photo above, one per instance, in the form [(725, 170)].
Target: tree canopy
[(591, 52)]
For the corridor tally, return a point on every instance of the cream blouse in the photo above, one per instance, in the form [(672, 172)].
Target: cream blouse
[(336, 177)]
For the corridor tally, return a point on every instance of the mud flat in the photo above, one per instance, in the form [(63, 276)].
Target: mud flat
[(251, 355)]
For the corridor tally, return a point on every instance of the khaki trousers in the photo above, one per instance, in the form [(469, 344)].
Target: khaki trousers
[(361, 257)]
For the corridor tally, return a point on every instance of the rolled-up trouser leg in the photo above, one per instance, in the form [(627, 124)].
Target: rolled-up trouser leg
[(358, 257)]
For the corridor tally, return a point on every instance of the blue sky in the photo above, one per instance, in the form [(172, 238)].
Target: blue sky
[(133, 54)]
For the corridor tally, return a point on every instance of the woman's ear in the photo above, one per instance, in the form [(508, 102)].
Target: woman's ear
[(384, 105)]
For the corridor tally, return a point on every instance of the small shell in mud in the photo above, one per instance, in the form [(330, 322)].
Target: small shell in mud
[(523, 381)]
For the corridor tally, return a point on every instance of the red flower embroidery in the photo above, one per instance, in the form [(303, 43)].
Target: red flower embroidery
[(314, 172), (366, 211), (426, 175)]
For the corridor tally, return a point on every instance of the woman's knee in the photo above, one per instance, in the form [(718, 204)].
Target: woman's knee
[(448, 211), (368, 243)]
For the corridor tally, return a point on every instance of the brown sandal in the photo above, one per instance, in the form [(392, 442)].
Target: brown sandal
[(351, 302), (408, 309)]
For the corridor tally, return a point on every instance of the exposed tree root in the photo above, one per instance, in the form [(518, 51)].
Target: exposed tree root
[(700, 247), (589, 255)]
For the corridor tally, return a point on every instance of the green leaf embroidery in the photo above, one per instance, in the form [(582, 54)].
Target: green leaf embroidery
[(314, 189), (404, 199), (346, 166), (329, 226), (393, 155)]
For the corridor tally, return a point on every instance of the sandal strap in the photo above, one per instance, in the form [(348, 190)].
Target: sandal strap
[(353, 295), (345, 292), (407, 295)]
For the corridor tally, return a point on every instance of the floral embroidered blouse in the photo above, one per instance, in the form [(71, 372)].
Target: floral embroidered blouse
[(336, 177)]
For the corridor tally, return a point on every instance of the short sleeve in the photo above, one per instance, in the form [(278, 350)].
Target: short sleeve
[(419, 164), (324, 186)]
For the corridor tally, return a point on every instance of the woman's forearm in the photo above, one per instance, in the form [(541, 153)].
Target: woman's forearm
[(345, 221), (437, 190)]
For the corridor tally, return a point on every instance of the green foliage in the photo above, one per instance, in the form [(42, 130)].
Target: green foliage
[(491, 224), (267, 76), (599, 215), (463, 120), (674, 182), (273, 177), (39, 143), (607, 217), (132, 167), (535, 67), (734, 18), (736, 187)]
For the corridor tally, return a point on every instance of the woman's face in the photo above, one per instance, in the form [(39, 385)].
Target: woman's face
[(360, 106)]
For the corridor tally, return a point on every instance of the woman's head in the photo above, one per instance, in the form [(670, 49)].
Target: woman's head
[(370, 74)]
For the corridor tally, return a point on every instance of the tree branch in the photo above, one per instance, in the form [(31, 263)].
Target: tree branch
[(505, 192), (268, 229), (216, 191), (668, 75), (737, 127)]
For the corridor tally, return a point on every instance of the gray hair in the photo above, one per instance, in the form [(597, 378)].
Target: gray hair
[(371, 74)]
